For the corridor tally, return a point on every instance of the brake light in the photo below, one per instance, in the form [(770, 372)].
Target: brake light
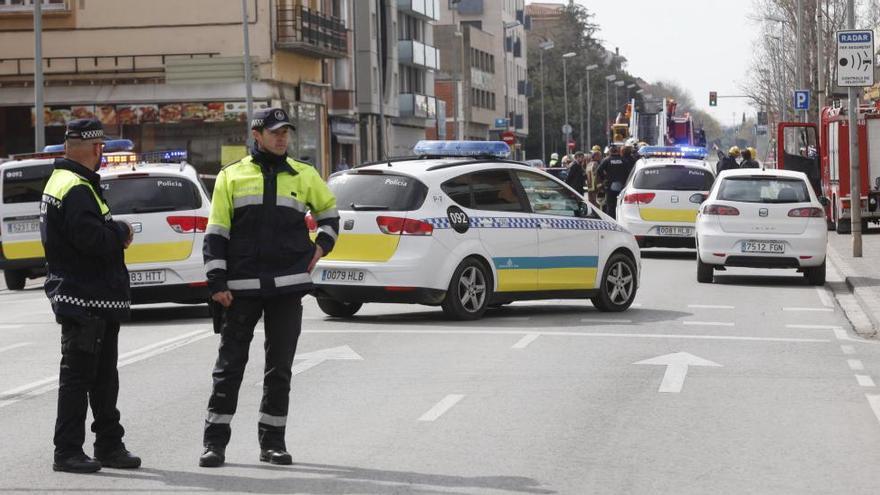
[(403, 226), (638, 198), (720, 210), (188, 225), (311, 223), (807, 213)]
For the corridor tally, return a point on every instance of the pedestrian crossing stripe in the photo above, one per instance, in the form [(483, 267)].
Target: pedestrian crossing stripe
[(552, 223)]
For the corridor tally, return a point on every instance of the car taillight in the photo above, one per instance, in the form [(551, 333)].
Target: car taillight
[(188, 225), (807, 212), (638, 198), (403, 226), (720, 210), (311, 223)]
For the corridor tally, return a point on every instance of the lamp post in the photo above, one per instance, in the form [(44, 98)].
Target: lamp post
[(546, 45), (587, 141), (617, 86), (249, 95), (629, 88), (565, 93), (507, 26), (608, 80), (39, 120)]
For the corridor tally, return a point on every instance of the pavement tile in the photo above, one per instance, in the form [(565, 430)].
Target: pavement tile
[(860, 275)]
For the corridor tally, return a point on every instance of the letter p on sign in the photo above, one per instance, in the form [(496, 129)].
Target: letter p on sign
[(802, 100)]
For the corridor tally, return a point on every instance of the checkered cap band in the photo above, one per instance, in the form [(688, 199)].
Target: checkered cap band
[(256, 123)]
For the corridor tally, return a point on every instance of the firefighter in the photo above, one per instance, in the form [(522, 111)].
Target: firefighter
[(88, 286), (554, 160), (258, 259), (728, 162), (594, 185), (748, 156)]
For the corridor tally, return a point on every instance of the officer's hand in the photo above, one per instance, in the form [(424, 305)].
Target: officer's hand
[(224, 298), (130, 235), (319, 253)]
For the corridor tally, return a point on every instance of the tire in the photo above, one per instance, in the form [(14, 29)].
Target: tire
[(338, 309), (15, 279), (816, 275), (617, 287), (705, 272), (469, 291)]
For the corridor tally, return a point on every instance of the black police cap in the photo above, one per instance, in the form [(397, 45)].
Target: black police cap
[(271, 119), (84, 129)]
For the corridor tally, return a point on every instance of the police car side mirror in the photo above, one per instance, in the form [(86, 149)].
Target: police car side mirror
[(698, 198), (824, 201)]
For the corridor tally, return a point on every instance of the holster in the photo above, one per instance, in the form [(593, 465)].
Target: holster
[(82, 334), (218, 312)]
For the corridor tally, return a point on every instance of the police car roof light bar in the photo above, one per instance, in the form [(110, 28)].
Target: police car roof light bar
[(462, 149), (110, 146), (690, 152)]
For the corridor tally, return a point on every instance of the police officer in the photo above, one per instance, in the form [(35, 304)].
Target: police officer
[(613, 172), (258, 257), (577, 174), (88, 286)]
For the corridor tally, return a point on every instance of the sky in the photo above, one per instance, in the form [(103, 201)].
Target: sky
[(704, 45)]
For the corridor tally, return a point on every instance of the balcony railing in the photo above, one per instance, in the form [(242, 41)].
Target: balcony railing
[(418, 106), (426, 9), (412, 52), (89, 65), (304, 30)]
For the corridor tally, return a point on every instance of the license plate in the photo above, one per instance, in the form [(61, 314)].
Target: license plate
[(676, 231), (765, 247), (343, 276), (147, 277), (23, 227)]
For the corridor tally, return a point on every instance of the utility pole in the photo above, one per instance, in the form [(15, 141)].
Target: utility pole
[(581, 93), (380, 135), (249, 94), (39, 121), (855, 179), (820, 61), (801, 80)]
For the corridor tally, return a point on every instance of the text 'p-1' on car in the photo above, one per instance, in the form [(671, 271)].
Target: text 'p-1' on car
[(461, 227)]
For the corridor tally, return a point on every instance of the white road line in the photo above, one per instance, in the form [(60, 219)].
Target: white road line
[(19, 301), (576, 334), (826, 310), (710, 306), (874, 401), (608, 320), (814, 327), (855, 364), (444, 405), (848, 349), (10, 327), (708, 323), (865, 381), (824, 297), (523, 342), (14, 346), (48, 384)]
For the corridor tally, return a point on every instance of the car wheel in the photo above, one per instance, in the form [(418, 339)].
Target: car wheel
[(469, 291), (816, 275), (15, 279), (338, 309), (617, 288), (705, 271)]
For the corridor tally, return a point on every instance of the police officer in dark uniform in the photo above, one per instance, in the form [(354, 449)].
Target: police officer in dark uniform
[(88, 286), (613, 172), (259, 258)]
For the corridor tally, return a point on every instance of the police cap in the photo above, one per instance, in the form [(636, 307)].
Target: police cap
[(84, 129), (271, 119)]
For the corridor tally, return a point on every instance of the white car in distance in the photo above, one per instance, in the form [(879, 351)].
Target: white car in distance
[(761, 219)]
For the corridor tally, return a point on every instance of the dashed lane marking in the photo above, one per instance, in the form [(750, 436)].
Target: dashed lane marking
[(855, 364), (821, 310), (814, 327), (608, 320), (14, 346), (865, 381), (442, 407), (848, 349), (709, 323), (10, 327), (710, 306), (874, 401), (525, 341)]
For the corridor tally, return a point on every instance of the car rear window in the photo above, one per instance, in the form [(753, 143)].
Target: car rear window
[(377, 191), (25, 184), (149, 194), (673, 178), (764, 190)]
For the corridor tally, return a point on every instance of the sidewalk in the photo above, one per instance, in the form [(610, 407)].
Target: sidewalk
[(859, 279)]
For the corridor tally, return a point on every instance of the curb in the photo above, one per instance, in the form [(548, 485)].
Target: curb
[(853, 299)]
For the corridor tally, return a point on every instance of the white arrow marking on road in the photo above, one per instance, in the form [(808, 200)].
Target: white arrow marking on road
[(676, 369), (312, 359)]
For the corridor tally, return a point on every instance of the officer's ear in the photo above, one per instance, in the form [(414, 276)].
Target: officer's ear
[(258, 136)]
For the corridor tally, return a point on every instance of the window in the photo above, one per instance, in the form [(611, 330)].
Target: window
[(150, 194), (764, 190), (26, 5), (673, 178), (25, 184), (492, 190), (411, 80), (380, 191), (548, 197), (410, 28)]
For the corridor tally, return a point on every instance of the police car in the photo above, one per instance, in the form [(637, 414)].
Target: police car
[(462, 228), (655, 203), (166, 204)]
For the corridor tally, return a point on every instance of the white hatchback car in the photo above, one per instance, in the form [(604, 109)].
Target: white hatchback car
[(762, 219), (462, 228), (655, 203)]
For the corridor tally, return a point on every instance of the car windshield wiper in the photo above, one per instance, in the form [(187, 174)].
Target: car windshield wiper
[(152, 209), (357, 207)]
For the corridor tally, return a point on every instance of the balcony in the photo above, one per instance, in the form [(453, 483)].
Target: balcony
[(410, 52), (303, 30), (27, 7), (417, 106), (470, 7), (428, 10)]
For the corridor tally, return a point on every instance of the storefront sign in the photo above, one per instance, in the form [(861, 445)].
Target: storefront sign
[(312, 93)]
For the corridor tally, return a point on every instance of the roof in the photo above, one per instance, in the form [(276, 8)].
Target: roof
[(179, 169), (422, 167), (773, 172), (660, 161)]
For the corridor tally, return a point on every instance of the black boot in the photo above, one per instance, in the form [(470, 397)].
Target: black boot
[(119, 459), (279, 457), (77, 463), (213, 457)]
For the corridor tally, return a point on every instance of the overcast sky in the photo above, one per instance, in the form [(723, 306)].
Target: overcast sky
[(704, 45)]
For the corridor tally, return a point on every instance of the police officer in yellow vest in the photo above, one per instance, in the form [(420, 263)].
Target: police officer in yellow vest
[(259, 258), (88, 286)]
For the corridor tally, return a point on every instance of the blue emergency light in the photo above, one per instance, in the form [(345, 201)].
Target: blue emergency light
[(111, 146), (464, 149), (689, 152)]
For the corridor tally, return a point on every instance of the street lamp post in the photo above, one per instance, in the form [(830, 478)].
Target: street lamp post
[(629, 88), (617, 86), (507, 26), (565, 93), (249, 96), (608, 80), (546, 45), (39, 116), (589, 137)]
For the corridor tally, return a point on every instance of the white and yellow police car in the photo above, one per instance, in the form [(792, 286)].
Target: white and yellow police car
[(463, 228), (655, 203)]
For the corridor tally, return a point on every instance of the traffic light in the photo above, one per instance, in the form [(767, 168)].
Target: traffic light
[(713, 99)]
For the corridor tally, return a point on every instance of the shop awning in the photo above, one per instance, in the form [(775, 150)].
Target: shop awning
[(344, 139), (138, 93)]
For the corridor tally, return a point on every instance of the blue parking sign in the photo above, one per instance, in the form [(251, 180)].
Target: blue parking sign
[(802, 100)]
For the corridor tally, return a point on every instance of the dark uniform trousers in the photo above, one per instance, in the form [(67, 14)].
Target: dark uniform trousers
[(89, 350), (283, 322)]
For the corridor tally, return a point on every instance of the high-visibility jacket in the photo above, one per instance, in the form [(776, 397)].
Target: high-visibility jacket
[(257, 242), (84, 246)]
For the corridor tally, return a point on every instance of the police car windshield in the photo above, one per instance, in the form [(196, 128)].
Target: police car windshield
[(673, 178), (764, 190), (150, 194), (377, 192)]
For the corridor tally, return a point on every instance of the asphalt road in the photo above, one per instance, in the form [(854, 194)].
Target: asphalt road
[(765, 391)]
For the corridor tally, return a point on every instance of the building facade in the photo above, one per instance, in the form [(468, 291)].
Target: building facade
[(170, 74)]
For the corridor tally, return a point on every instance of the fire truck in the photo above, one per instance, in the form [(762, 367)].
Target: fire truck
[(657, 125)]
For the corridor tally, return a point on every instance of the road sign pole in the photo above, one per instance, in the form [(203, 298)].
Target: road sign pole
[(855, 179)]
